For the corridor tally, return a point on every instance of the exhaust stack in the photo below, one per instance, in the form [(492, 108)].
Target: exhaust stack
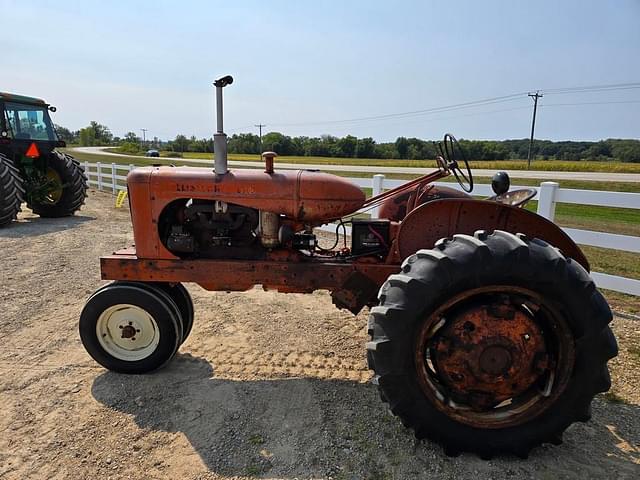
[(220, 138)]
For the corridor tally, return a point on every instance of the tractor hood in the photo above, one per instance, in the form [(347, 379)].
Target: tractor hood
[(301, 195)]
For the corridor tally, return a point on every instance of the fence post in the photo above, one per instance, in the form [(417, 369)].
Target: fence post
[(114, 187), (99, 168), (377, 187), (86, 169), (547, 200)]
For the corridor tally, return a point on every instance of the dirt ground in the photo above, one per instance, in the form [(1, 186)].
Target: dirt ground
[(267, 385)]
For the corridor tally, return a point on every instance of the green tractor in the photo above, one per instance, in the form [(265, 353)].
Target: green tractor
[(52, 183)]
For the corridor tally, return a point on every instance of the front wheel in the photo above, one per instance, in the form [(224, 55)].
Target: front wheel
[(130, 327), (180, 295), (490, 343)]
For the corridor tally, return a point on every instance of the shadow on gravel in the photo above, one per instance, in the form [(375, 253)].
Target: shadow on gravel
[(306, 427), (33, 225)]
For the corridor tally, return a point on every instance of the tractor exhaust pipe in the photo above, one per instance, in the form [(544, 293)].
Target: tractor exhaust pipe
[(220, 138)]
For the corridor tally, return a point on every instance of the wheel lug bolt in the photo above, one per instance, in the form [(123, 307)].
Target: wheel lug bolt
[(526, 336)]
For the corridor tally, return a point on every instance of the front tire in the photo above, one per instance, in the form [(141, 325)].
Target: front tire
[(68, 197), (490, 343), (11, 191), (180, 295), (130, 327)]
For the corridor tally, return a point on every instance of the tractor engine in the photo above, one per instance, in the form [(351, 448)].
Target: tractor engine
[(211, 229)]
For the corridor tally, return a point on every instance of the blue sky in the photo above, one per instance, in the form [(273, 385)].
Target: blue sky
[(149, 64)]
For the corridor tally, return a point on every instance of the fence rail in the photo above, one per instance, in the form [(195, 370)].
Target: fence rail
[(112, 177)]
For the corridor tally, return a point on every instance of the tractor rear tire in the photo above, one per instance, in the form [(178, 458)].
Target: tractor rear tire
[(441, 334), (74, 187), (130, 327), (11, 191)]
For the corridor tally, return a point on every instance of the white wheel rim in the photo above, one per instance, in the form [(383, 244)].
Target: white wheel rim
[(127, 332)]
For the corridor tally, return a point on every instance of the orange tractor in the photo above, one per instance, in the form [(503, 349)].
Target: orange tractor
[(487, 333)]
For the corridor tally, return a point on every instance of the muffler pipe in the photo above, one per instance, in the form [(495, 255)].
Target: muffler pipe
[(220, 138)]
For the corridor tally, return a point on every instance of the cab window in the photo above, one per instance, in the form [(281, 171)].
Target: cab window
[(29, 122)]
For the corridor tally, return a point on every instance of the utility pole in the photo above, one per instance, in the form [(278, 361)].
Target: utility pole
[(144, 136), (260, 125), (535, 97)]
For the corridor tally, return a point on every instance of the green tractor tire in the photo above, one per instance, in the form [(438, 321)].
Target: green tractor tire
[(11, 191), (65, 172)]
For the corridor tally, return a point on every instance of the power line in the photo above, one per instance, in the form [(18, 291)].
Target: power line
[(488, 112), (470, 104), (465, 105), (237, 129), (587, 103), (487, 101), (592, 88), (502, 110)]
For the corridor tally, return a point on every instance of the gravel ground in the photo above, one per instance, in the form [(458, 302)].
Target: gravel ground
[(268, 385)]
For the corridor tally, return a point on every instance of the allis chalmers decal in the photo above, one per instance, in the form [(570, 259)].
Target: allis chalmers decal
[(185, 187), (209, 188)]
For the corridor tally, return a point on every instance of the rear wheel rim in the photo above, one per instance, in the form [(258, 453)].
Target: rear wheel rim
[(54, 194), (486, 370), (127, 332)]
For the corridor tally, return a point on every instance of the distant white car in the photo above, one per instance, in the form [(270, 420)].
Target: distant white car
[(152, 153)]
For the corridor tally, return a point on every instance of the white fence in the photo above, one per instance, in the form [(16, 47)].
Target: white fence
[(112, 177)]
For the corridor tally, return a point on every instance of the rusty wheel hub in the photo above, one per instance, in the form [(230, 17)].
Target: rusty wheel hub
[(489, 353), (494, 356)]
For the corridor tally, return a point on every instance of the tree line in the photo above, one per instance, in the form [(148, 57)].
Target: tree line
[(349, 146)]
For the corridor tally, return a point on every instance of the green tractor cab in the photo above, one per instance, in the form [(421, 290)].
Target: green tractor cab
[(52, 183)]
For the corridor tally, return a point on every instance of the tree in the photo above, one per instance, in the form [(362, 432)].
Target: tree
[(102, 133), (131, 137), (277, 142), (402, 147), (65, 134), (366, 148), (346, 146), (180, 144), (87, 137), (244, 143)]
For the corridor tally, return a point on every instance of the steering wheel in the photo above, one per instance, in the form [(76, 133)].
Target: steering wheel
[(515, 198), (452, 153)]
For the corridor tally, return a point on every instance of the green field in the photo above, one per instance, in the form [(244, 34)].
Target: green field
[(540, 165)]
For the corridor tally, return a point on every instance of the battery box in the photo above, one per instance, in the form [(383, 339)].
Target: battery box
[(369, 237)]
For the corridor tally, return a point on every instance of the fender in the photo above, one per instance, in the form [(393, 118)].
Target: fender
[(437, 219)]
